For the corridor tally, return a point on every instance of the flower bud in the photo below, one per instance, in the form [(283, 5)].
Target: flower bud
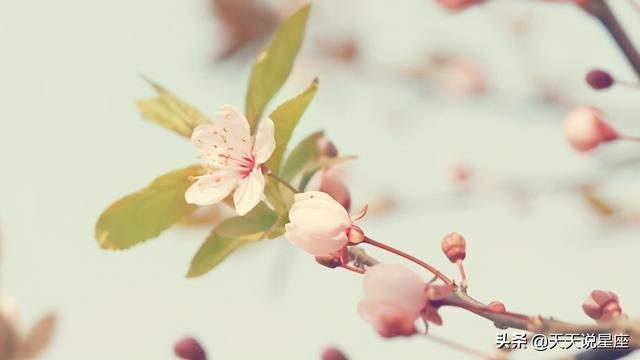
[(599, 79), (337, 189), (189, 348), (458, 5), (394, 299), (602, 305), (585, 129), (328, 181), (454, 247), (326, 148), (318, 224), (332, 353)]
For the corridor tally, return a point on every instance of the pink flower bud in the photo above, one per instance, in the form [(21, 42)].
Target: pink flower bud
[(337, 189), (454, 247), (189, 348), (328, 181), (585, 129), (394, 297), (326, 148), (599, 79), (318, 224), (602, 305), (458, 5), (332, 353)]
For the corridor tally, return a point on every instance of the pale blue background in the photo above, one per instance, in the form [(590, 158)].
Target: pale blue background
[(71, 142)]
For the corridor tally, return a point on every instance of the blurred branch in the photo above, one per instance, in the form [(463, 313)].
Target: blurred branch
[(602, 12)]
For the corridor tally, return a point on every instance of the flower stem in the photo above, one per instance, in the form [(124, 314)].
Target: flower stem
[(412, 258), (352, 268), (463, 275), (627, 83), (602, 12), (282, 181), (630, 138)]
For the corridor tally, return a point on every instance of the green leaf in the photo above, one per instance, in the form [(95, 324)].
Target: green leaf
[(285, 119), (230, 235), (251, 226), (301, 156), (275, 194), (214, 250), (273, 65), (278, 227), (170, 112), (145, 214)]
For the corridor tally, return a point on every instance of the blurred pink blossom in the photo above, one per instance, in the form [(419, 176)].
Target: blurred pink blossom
[(394, 297), (585, 129), (602, 305)]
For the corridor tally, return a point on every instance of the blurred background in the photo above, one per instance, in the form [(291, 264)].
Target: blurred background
[(417, 93)]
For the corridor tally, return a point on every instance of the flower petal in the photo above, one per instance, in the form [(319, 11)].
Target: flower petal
[(265, 141), (315, 245), (312, 195), (210, 189), (249, 192), (315, 203), (397, 285), (229, 118), (389, 321), (209, 143)]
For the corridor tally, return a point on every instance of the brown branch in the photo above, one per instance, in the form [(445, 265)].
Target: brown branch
[(540, 325), (534, 324)]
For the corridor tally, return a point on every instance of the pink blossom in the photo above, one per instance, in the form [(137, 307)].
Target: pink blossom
[(394, 297), (318, 224), (602, 305), (328, 181), (236, 157), (585, 129)]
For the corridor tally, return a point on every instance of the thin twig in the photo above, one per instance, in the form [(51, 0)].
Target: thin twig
[(282, 181), (409, 257)]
